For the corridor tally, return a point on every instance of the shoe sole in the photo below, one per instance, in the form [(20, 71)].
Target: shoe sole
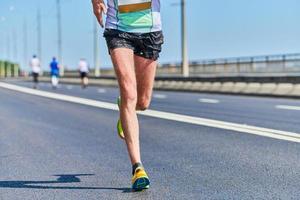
[(141, 184)]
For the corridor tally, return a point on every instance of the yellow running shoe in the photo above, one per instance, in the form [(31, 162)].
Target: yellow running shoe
[(140, 180), (119, 125)]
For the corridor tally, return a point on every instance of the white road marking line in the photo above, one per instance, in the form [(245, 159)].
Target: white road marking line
[(239, 128), (61, 97), (285, 107), (159, 96), (212, 101), (100, 90), (69, 87)]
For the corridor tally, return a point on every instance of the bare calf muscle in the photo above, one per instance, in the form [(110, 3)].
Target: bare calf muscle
[(145, 70)]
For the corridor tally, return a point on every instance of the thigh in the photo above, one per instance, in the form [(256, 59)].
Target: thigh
[(145, 70), (123, 62), (35, 76), (82, 75)]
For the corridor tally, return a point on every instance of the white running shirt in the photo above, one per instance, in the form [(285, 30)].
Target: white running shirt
[(83, 66), (35, 65)]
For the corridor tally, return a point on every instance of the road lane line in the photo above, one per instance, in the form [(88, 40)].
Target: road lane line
[(61, 97), (159, 96), (69, 87), (100, 90), (212, 101), (266, 132), (286, 107)]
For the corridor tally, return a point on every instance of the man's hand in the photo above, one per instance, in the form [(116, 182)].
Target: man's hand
[(99, 8)]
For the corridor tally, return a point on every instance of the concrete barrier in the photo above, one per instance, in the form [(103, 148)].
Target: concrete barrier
[(252, 88), (188, 86), (196, 86), (267, 88), (227, 87), (165, 84), (283, 89), (246, 88), (178, 85), (216, 86), (239, 87), (296, 91), (205, 86), (158, 84)]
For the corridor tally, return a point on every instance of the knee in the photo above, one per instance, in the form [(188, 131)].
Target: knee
[(129, 98), (143, 104), (128, 93)]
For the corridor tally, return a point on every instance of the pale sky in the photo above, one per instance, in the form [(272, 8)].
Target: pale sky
[(216, 29)]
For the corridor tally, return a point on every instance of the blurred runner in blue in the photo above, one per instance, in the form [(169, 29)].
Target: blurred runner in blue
[(54, 67)]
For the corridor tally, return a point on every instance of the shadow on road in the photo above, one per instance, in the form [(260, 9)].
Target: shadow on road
[(62, 178)]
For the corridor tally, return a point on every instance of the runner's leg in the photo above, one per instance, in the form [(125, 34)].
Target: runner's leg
[(123, 61), (81, 79), (145, 70), (35, 80)]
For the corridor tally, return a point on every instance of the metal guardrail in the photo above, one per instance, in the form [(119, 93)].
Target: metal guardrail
[(257, 66), (285, 64)]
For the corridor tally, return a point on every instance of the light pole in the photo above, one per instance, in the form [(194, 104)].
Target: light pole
[(2, 42), (184, 50), (6, 41), (8, 47), (39, 34), (25, 44), (13, 40), (15, 46), (59, 38), (2, 45), (96, 50)]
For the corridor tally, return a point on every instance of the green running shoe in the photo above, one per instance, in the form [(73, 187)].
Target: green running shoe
[(119, 125)]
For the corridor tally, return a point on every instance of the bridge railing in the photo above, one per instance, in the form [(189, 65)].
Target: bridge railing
[(259, 65), (272, 65)]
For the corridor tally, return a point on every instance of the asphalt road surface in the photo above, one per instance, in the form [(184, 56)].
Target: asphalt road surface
[(52, 149)]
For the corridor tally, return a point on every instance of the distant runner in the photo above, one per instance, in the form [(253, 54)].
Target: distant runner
[(36, 69), (83, 68), (134, 38), (54, 70)]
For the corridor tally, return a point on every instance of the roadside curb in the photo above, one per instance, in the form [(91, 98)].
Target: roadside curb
[(288, 90)]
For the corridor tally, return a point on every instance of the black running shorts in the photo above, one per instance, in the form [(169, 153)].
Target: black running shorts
[(146, 45), (83, 75), (35, 77)]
